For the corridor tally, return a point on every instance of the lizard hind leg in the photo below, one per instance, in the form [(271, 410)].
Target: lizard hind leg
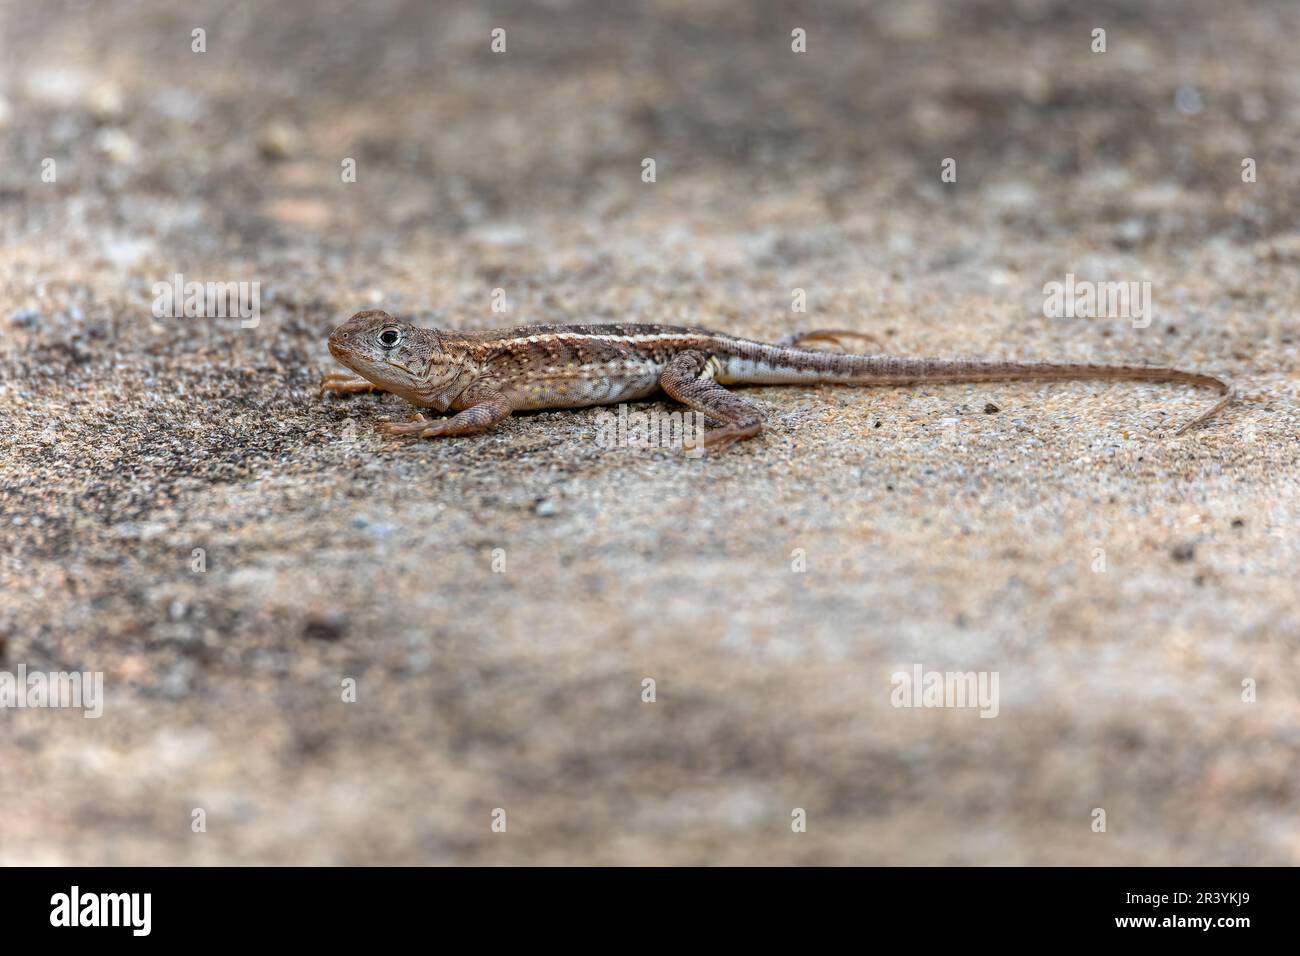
[(688, 379)]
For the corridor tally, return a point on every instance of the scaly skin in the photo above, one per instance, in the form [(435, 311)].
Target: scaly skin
[(485, 376)]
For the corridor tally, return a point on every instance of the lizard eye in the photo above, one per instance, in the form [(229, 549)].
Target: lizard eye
[(390, 337)]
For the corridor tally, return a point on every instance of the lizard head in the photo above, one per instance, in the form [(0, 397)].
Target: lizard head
[(395, 355)]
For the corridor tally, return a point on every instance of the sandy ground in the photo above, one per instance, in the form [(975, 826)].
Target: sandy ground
[(500, 600)]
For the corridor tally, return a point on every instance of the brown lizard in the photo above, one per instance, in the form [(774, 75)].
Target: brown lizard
[(485, 376)]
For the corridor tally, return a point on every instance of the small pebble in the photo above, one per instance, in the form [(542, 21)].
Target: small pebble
[(116, 145), (178, 681), (180, 104), (25, 318), (324, 626), (279, 140), (1183, 552), (1131, 232), (545, 508), (991, 409), (106, 103), (1187, 100)]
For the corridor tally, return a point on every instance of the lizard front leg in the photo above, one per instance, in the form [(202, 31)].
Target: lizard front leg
[(482, 407), (345, 383), (688, 378)]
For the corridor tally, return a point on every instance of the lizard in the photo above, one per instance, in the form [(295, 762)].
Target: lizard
[(483, 377)]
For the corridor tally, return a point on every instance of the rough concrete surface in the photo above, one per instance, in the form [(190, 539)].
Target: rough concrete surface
[(1121, 582)]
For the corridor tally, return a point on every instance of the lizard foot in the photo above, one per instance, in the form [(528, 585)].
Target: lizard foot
[(344, 383), (419, 426), (723, 438)]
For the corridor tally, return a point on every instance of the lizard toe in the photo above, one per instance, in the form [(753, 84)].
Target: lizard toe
[(417, 426)]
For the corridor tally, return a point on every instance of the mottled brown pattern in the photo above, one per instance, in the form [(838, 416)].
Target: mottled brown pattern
[(484, 376)]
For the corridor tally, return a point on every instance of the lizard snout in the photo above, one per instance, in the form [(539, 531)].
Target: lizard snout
[(343, 343), (338, 338)]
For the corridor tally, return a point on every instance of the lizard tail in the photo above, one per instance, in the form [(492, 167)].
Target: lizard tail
[(795, 366)]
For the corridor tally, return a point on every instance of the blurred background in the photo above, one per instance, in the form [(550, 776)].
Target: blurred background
[(500, 600)]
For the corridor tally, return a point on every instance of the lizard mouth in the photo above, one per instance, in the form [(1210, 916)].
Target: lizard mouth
[(344, 355)]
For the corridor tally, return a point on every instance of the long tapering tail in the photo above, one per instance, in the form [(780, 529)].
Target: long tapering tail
[(776, 365)]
